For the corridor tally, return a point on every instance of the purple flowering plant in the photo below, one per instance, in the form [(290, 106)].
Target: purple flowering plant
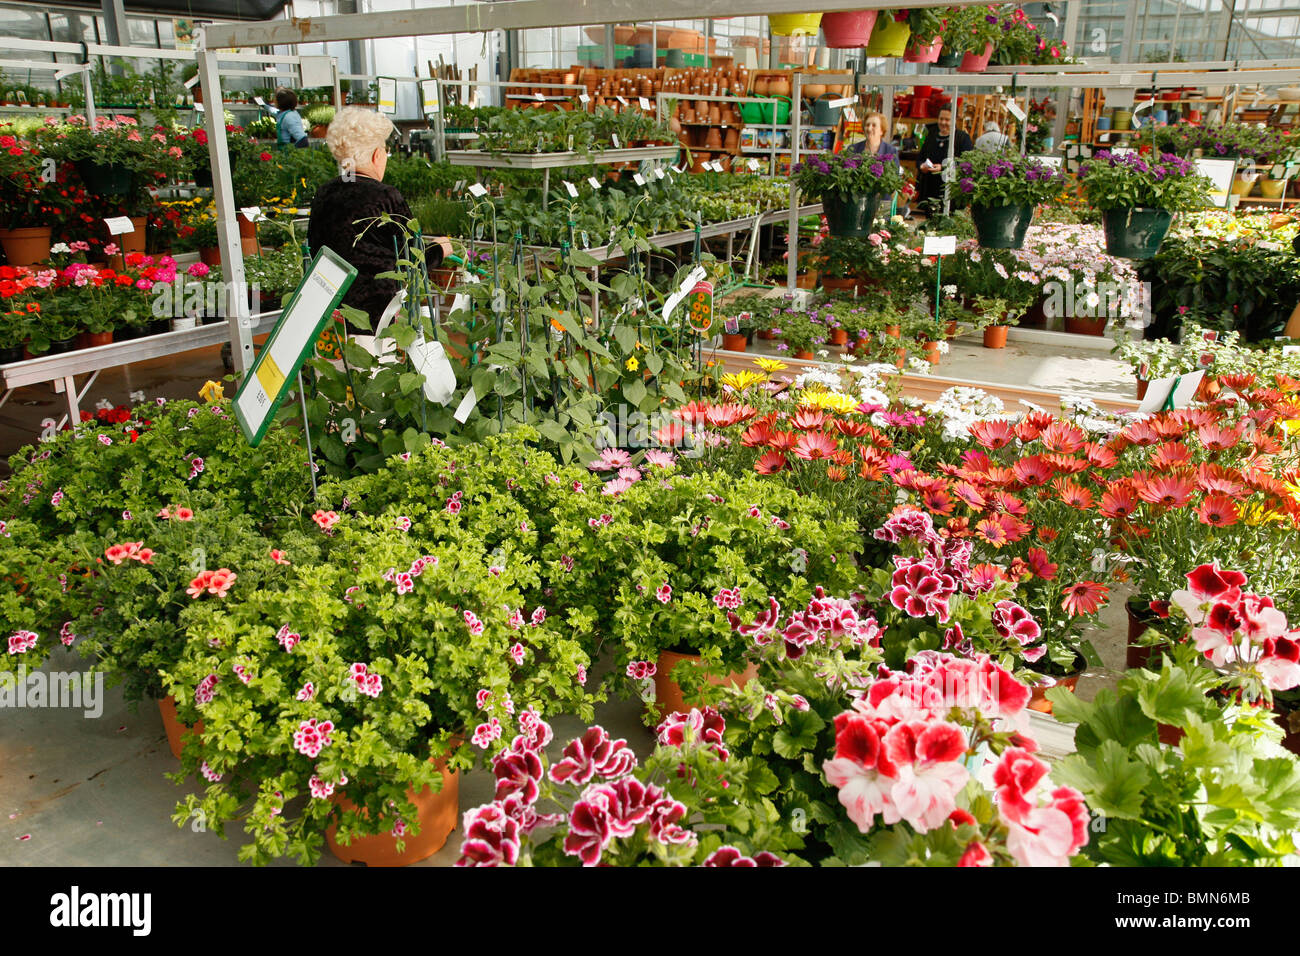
[(1136, 181), (847, 174), (1004, 179)]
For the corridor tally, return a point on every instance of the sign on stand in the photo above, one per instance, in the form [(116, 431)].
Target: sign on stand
[(291, 342), (699, 306)]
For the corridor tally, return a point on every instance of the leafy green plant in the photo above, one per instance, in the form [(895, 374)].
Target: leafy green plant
[(846, 174), (1129, 181)]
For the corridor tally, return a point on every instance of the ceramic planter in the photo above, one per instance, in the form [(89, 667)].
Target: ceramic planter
[(437, 812), (1135, 233), (976, 63), (176, 731), (1037, 694), (923, 54), (26, 246), (1082, 325), (668, 695), (1002, 227), (795, 24), (851, 216), (848, 29)]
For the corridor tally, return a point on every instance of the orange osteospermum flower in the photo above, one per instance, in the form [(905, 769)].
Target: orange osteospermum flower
[(1066, 464), (1238, 381), (1218, 438), (1167, 491), (1099, 456), (937, 501), (968, 494), (1032, 471), (1140, 433), (993, 433), (1119, 500), (692, 413), (770, 463), (782, 441), (813, 446), (807, 418), (1218, 511), (1173, 455), (1064, 437), (1073, 494), (1216, 478), (843, 458), (1015, 528), (1086, 597), (991, 530), (851, 429), (729, 413), (836, 473)]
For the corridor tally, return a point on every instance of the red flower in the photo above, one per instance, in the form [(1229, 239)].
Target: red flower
[(993, 434), (770, 463), (1073, 494), (1167, 491), (1218, 510), (806, 419), (1032, 471), (265, 157), (813, 446), (1063, 437), (728, 414), (1084, 598)]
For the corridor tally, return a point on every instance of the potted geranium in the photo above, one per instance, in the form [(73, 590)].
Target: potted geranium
[(1003, 188), (29, 204), (1138, 196), (850, 187), (993, 316)]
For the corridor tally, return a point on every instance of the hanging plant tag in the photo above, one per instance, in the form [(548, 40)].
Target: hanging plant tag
[(645, 104), (731, 326), (638, 179), (841, 102), (259, 101), (252, 213), (624, 102), (1014, 109), (570, 189), (659, 173), (699, 306), (613, 137), (477, 190), (466, 406), (752, 164), (584, 99), (189, 84), (593, 182), (586, 240)]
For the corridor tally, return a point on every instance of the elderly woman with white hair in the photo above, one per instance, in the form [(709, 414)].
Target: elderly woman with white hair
[(342, 207)]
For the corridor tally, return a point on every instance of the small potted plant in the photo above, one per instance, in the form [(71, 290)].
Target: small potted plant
[(1138, 197), (1003, 188), (993, 317), (798, 333)]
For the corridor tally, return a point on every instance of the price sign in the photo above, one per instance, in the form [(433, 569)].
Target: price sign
[(429, 96), (1014, 109), (645, 104), (842, 101), (752, 164), (939, 245), (291, 342), (584, 99), (119, 224), (539, 96), (699, 307), (477, 191), (198, 107), (387, 94)]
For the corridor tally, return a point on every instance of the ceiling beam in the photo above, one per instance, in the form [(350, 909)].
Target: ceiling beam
[(509, 15)]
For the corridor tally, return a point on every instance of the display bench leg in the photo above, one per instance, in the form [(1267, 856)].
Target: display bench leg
[(68, 385)]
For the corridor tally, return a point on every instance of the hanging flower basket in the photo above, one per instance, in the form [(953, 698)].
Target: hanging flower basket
[(976, 63), (105, 179), (848, 29), (889, 38), (850, 216), (923, 54), (1002, 227), (1135, 233), (795, 24)]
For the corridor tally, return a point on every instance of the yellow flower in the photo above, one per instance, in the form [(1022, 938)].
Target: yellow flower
[(770, 365), (1291, 426), (831, 401), (212, 392), (743, 380), (631, 364)]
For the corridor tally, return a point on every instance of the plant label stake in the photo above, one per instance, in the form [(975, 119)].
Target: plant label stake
[(938, 246)]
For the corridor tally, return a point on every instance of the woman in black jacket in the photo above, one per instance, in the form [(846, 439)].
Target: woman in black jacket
[(342, 209)]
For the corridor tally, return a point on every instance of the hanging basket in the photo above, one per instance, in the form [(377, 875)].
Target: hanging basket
[(889, 38), (1002, 227), (795, 24), (105, 179), (848, 29), (923, 54), (1135, 233), (850, 216), (976, 63)]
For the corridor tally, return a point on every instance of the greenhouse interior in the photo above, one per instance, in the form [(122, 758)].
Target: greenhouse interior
[(818, 436)]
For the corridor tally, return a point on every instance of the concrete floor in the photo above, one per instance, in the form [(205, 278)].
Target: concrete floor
[(76, 791), (79, 792)]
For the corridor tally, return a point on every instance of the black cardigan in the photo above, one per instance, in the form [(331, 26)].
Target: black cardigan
[(336, 210)]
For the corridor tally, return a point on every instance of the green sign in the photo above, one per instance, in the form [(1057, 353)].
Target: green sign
[(291, 342)]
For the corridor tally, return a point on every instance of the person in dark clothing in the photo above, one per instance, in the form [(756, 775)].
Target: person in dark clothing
[(933, 152), (343, 207)]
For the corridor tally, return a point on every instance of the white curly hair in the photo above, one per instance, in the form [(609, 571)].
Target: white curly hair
[(356, 133)]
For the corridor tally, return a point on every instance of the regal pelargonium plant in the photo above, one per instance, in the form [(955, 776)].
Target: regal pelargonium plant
[(402, 653), (1135, 181), (847, 174), (1003, 179)]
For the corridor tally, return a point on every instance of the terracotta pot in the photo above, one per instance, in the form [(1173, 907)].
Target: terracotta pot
[(804, 354), (247, 236), (995, 337), (668, 695), (733, 343), (26, 246), (839, 283), (95, 339), (1037, 699), (176, 731), (894, 331), (731, 138), (437, 813), (1137, 655), (458, 347), (210, 256), (1084, 326), (806, 280), (931, 350), (950, 330), (714, 138), (900, 357), (318, 131), (766, 334), (839, 337)]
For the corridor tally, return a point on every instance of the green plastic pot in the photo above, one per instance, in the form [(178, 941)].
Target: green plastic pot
[(1002, 227), (948, 60), (850, 217), (889, 37), (761, 113), (1135, 233)]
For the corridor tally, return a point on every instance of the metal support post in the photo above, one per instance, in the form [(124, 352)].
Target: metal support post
[(223, 194), (792, 236)]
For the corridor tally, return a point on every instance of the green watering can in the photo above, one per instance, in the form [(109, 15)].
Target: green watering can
[(761, 113)]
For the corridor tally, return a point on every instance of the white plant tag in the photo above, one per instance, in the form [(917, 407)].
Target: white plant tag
[(252, 213), (476, 190), (939, 246), (638, 179), (570, 189), (645, 103), (466, 406), (594, 182), (119, 224), (1014, 109)]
